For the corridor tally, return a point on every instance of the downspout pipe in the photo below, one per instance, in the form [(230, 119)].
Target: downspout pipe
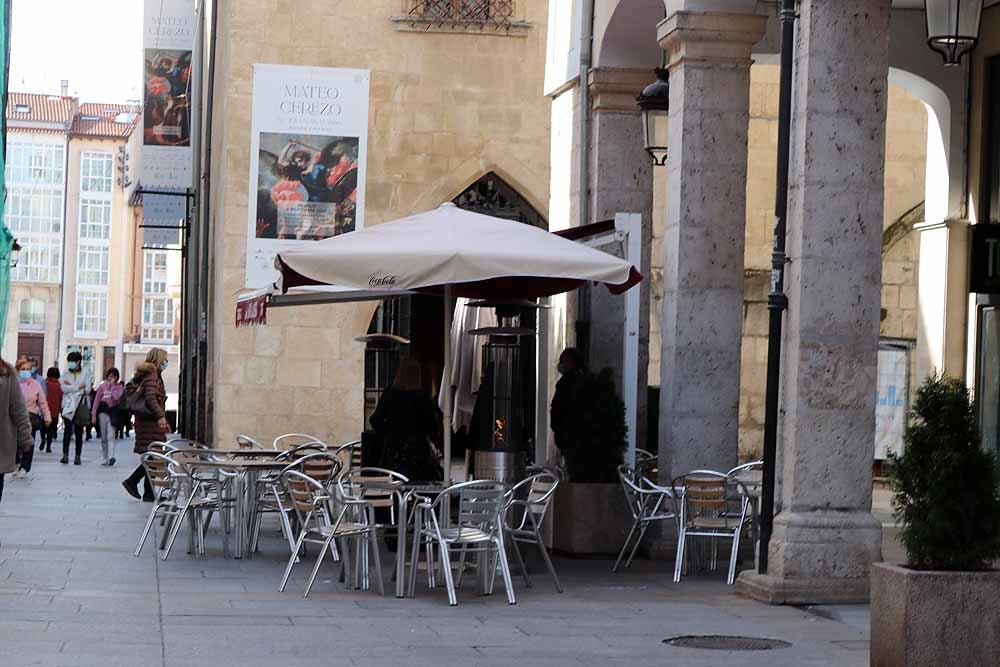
[(200, 326), (777, 302), (586, 54)]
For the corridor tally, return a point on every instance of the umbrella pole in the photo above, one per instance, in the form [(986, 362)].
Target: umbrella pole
[(446, 384)]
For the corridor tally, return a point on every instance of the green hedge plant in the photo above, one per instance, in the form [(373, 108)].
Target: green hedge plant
[(946, 486)]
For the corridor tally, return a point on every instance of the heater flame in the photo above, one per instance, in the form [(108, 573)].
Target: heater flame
[(498, 432)]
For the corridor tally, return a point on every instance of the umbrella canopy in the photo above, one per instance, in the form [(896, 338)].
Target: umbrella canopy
[(477, 255)]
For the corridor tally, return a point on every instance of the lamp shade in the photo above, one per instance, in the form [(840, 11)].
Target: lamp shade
[(654, 101), (953, 27)]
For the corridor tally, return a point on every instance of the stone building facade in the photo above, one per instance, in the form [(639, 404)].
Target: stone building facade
[(450, 101)]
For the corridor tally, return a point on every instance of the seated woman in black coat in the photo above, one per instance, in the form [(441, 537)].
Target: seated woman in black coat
[(406, 421)]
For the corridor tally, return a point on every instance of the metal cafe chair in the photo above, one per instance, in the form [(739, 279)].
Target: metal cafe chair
[(477, 527), (715, 506), (272, 498), (246, 442), (290, 440), (380, 487), (526, 528), (178, 492), (648, 503), (745, 468), (326, 519), (646, 462), (349, 455)]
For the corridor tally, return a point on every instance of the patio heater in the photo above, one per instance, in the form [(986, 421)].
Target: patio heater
[(499, 453)]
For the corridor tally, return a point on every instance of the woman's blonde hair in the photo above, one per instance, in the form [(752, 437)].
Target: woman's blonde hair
[(156, 356), (23, 365)]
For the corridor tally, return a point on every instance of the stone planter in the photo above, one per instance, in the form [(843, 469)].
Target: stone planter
[(934, 618), (590, 519)]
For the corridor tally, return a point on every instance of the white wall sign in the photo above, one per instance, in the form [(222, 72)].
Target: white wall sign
[(308, 150)]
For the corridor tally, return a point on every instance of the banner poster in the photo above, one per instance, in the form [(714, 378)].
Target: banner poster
[(308, 151), (168, 40), (890, 406)]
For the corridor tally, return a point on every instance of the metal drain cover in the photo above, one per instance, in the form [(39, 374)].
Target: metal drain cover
[(726, 643)]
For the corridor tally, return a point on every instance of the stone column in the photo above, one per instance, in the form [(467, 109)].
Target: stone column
[(709, 63), (825, 537), (621, 181)]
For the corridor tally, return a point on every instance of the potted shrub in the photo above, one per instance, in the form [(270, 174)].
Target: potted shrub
[(591, 516), (942, 607)]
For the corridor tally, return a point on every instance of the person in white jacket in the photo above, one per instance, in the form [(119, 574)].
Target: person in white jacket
[(76, 384)]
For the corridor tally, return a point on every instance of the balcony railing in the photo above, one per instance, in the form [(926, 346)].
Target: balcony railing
[(472, 14)]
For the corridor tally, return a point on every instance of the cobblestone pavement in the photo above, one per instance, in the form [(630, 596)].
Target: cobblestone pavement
[(71, 594)]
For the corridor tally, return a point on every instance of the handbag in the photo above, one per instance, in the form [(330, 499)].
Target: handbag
[(136, 402), (37, 423), (82, 415)]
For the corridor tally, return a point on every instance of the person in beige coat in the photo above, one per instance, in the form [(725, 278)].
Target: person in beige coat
[(15, 427)]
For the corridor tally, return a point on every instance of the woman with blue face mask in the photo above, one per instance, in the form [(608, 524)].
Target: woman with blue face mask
[(76, 384), (38, 413)]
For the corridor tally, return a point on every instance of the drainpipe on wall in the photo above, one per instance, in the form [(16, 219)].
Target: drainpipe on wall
[(586, 49), (581, 297)]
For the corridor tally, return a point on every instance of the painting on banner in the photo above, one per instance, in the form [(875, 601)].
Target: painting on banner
[(166, 113), (307, 160)]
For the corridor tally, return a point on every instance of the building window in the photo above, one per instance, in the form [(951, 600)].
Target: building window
[(95, 218), (157, 307), (39, 261), (155, 272), (30, 211), (29, 161), (31, 314), (93, 266), (34, 206), (460, 14), (91, 313), (96, 172)]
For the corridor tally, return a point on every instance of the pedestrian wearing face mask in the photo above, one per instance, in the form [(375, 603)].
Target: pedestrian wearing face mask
[(15, 427), (76, 384), (150, 417), (38, 414)]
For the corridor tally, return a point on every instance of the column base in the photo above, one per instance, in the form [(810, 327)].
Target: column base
[(775, 590), (821, 557)]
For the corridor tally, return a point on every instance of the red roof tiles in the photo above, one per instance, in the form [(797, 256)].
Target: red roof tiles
[(29, 112), (34, 108), (104, 120)]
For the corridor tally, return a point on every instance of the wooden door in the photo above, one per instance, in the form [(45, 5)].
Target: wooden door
[(31, 347)]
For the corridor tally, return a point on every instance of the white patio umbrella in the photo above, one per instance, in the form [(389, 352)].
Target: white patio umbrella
[(458, 253)]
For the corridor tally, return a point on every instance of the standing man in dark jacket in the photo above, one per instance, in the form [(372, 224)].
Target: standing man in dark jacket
[(563, 416)]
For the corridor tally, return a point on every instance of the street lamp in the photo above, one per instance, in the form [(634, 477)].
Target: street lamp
[(654, 101), (15, 253), (953, 27)]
